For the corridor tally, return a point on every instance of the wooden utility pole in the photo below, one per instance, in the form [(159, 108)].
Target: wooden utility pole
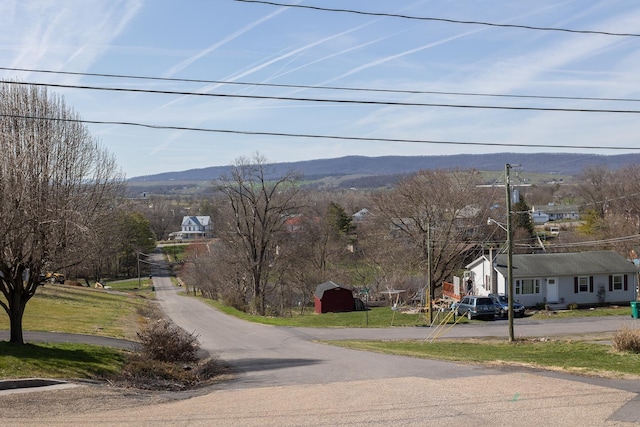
[(509, 253)]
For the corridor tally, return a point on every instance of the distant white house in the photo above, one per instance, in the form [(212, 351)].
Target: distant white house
[(194, 227), (361, 215), (553, 212), (539, 217)]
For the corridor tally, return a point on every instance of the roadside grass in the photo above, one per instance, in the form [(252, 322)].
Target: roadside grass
[(583, 312), (142, 287), (174, 252), (70, 309), (60, 361), (376, 317), (119, 314), (384, 317), (80, 310), (568, 355)]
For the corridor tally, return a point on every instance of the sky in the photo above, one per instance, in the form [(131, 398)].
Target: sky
[(251, 55)]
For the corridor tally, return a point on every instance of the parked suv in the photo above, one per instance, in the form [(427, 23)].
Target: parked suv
[(502, 306), (476, 306)]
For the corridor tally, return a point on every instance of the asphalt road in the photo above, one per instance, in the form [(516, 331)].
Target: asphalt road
[(287, 379)]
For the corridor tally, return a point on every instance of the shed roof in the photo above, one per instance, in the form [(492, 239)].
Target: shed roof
[(326, 286), (565, 264)]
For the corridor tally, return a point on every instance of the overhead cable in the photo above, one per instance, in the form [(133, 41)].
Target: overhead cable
[(317, 136), (329, 100), (449, 20), (320, 87)]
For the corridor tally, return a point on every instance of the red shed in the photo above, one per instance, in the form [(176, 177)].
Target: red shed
[(330, 297)]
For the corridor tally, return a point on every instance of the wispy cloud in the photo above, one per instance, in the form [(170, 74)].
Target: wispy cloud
[(56, 35)]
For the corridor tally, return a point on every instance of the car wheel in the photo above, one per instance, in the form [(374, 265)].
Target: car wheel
[(469, 315)]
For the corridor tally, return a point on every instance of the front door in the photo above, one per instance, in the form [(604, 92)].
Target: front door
[(552, 290)]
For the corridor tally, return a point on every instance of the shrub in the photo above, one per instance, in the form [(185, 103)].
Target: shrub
[(627, 339), (572, 306), (165, 342), (143, 374)]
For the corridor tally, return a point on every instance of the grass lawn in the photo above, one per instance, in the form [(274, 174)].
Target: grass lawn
[(62, 361), (80, 310), (568, 355), (384, 317), (142, 287), (174, 252), (376, 317)]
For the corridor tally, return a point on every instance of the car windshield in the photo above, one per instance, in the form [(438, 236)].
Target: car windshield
[(502, 298)]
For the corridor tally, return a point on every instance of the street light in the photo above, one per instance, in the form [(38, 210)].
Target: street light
[(493, 221)]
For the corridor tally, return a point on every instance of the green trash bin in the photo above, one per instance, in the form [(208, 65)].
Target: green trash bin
[(634, 309)]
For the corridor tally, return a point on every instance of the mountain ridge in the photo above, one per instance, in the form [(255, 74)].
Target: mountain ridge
[(549, 163)]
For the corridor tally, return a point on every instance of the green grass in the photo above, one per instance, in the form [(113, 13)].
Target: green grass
[(141, 287), (376, 317), (59, 361), (80, 310), (574, 356), (595, 312), (174, 252), (383, 317)]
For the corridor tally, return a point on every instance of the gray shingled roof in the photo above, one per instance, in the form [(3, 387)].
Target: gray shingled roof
[(320, 289), (566, 264)]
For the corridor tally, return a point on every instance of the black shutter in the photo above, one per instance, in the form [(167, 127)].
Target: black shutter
[(626, 282), (575, 285), (591, 284), (610, 283)]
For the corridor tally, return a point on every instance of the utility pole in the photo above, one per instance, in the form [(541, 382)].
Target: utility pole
[(509, 253), (138, 260), (430, 285)]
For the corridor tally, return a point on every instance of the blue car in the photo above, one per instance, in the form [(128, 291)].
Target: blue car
[(502, 306)]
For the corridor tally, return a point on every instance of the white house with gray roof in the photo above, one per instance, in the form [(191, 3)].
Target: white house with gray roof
[(195, 227), (584, 278)]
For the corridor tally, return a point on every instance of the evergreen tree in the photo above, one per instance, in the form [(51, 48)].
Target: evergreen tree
[(522, 216)]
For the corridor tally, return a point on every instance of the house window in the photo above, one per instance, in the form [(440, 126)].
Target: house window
[(583, 284), (527, 286), (617, 283)]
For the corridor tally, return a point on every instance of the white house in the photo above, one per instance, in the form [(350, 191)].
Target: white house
[(555, 213), (539, 217), (361, 215), (195, 227), (584, 278)]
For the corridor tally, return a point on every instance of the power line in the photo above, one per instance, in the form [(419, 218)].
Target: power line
[(342, 88), (331, 101), (453, 21), (317, 136)]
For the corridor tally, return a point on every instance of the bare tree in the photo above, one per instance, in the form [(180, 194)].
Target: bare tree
[(595, 185), (164, 215), (260, 204), (56, 183), (434, 216)]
